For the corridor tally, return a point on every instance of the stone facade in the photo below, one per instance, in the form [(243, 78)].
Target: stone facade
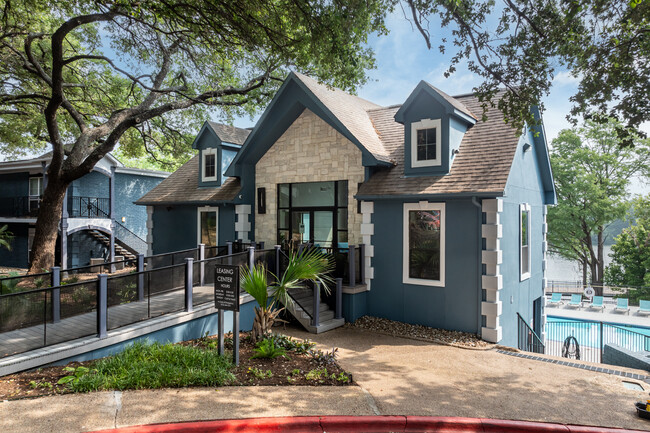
[(309, 151)]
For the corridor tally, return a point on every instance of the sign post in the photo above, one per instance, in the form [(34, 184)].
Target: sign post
[(226, 298)]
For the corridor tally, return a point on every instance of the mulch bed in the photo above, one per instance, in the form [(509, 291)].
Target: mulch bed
[(296, 369)]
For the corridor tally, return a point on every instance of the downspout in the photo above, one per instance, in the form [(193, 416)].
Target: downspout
[(479, 261)]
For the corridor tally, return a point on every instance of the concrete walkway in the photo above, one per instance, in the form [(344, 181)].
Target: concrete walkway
[(396, 376)]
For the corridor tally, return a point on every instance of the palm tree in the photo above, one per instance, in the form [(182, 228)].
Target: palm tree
[(307, 265), (5, 237)]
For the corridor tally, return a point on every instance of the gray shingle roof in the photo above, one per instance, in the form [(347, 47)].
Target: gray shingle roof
[(352, 112), (182, 186), (482, 165), (230, 134)]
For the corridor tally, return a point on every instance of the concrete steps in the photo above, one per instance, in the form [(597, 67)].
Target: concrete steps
[(303, 308)]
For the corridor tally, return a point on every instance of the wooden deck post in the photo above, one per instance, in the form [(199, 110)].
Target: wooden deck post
[(56, 294), (189, 265)]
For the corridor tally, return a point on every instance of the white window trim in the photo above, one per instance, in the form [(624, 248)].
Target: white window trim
[(199, 211), (525, 207), (423, 205), (204, 153), (425, 124), (38, 179)]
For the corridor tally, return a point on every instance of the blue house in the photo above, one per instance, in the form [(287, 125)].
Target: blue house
[(99, 219), (447, 212)]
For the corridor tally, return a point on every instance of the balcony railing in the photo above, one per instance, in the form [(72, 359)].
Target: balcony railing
[(19, 207), (89, 207)]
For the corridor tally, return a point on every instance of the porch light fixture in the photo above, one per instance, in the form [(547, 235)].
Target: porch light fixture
[(527, 147)]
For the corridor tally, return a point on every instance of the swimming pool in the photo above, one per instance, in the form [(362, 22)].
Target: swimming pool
[(593, 334)]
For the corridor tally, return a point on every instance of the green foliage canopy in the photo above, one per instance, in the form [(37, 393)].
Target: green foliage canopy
[(80, 75), (523, 45), (630, 266), (592, 172)]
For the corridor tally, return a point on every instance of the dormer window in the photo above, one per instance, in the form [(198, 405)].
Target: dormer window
[(209, 165), (425, 143)]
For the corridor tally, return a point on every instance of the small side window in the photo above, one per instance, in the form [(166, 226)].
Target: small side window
[(209, 164), (524, 241), (425, 143)]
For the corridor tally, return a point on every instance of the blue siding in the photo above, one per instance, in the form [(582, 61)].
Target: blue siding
[(454, 306), (82, 247), (18, 257), (524, 186), (355, 306), (129, 188), (14, 185), (93, 184), (175, 227), (185, 331)]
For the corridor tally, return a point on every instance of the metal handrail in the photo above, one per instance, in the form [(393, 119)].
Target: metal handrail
[(536, 343)]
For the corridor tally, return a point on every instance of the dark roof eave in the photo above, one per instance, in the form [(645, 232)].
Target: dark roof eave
[(486, 194), (184, 203)]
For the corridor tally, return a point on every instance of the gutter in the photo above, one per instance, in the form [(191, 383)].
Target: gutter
[(479, 260), (447, 196)]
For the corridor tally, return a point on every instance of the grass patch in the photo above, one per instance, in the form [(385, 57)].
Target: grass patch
[(150, 366)]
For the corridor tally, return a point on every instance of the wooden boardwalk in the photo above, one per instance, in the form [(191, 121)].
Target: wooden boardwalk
[(84, 325)]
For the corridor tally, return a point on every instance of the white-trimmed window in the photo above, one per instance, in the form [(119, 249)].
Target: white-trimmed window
[(209, 165), (35, 192), (424, 244), (524, 241), (425, 143), (208, 226)]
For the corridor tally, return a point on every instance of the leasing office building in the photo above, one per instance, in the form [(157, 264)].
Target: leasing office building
[(450, 209)]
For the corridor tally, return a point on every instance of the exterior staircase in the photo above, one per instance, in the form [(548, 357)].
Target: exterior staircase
[(121, 249), (302, 308)]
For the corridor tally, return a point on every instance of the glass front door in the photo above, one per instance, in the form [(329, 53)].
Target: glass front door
[(311, 226), (300, 227), (313, 212)]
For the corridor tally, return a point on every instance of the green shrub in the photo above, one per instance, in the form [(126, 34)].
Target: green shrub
[(293, 345), (149, 366), (9, 286), (268, 349)]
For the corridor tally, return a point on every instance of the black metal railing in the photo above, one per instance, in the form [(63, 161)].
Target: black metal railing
[(89, 207), (633, 293), (19, 207), (586, 340), (527, 339)]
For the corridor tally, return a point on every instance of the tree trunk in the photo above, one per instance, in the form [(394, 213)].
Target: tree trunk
[(601, 261), (47, 226), (584, 272)]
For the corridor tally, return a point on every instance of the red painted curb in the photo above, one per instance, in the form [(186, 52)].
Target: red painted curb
[(365, 424), (441, 424), (508, 426)]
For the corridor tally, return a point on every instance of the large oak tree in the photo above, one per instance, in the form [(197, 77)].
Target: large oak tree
[(523, 44), (79, 76)]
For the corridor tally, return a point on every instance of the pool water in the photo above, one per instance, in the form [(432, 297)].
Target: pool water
[(636, 338)]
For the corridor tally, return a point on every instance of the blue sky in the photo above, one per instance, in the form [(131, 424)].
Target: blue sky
[(403, 60)]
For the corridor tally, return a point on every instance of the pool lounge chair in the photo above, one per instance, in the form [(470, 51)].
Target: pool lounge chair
[(575, 302), (556, 299), (622, 305), (597, 303), (644, 307)]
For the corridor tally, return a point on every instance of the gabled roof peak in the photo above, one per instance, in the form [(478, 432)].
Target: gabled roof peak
[(440, 96)]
